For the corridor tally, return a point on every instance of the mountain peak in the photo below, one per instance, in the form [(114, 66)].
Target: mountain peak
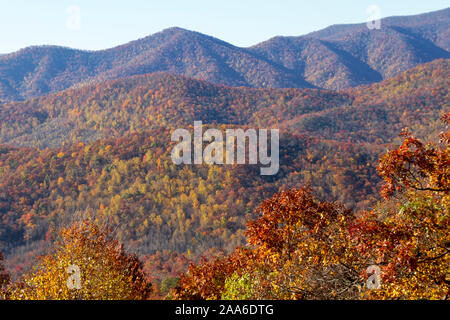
[(176, 29)]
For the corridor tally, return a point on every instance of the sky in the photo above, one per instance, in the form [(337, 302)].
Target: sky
[(101, 24)]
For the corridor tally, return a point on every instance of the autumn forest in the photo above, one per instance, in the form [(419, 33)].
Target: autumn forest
[(359, 208)]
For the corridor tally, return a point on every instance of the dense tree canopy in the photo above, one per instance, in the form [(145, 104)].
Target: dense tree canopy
[(104, 270), (302, 248), (409, 234), (104, 150)]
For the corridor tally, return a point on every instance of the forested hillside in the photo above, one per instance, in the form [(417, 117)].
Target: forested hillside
[(121, 107), (103, 151), (334, 58), (348, 55)]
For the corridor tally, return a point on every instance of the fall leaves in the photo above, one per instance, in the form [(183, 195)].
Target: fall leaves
[(302, 248), (107, 272), (407, 166), (409, 234), (4, 277), (299, 247), (330, 141)]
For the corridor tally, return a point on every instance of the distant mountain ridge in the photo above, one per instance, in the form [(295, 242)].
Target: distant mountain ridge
[(334, 58), (343, 56), (419, 24)]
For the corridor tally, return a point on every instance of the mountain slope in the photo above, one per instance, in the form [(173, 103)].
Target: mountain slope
[(432, 26), (330, 141), (121, 107), (348, 55), (334, 58), (39, 70)]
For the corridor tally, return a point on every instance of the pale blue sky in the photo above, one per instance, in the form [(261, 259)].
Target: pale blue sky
[(105, 24)]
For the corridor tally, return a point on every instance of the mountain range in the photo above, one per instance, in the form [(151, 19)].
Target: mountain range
[(337, 57), (87, 133), (103, 151)]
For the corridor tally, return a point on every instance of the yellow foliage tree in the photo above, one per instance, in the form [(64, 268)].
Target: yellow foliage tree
[(4, 277), (88, 264)]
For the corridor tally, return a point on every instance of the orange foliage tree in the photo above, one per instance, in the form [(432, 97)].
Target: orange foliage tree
[(298, 249), (408, 235), (303, 248), (206, 280)]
